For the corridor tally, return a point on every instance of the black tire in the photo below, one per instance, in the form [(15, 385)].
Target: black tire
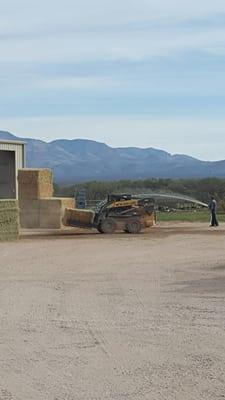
[(100, 229), (108, 226), (134, 227)]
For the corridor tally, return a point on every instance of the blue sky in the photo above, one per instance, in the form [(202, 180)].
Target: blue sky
[(141, 73)]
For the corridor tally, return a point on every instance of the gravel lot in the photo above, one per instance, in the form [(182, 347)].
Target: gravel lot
[(94, 317)]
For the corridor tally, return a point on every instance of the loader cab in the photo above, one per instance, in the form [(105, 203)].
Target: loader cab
[(119, 197), (80, 199)]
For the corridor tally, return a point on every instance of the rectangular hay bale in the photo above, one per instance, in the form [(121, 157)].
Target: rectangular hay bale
[(35, 183), (75, 215), (43, 213), (9, 220), (29, 205), (32, 175), (29, 213), (30, 219), (8, 237), (50, 220), (5, 204), (57, 203), (52, 211)]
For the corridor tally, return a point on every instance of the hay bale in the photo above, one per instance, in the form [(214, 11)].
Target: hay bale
[(30, 219), (9, 220), (52, 211), (26, 205), (29, 213), (6, 204), (44, 213), (57, 203), (32, 175), (35, 184), (73, 216)]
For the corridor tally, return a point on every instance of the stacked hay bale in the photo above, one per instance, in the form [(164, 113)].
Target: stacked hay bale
[(9, 220), (74, 216), (52, 212), (38, 209), (35, 184)]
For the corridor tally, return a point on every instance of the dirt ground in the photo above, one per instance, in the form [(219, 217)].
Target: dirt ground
[(95, 317)]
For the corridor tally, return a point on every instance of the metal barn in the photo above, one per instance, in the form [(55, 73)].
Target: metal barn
[(12, 158)]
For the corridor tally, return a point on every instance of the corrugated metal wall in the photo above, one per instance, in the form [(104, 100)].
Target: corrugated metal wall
[(19, 149)]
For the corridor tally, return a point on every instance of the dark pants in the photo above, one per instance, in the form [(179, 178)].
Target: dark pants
[(214, 221)]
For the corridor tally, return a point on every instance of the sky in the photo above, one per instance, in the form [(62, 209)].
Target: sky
[(145, 73)]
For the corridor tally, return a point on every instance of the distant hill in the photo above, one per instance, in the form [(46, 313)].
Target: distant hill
[(82, 160)]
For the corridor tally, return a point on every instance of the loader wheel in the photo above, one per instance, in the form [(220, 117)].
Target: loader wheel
[(100, 229), (108, 226), (134, 227)]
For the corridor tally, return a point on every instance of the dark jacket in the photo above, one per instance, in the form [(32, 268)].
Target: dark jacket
[(213, 205)]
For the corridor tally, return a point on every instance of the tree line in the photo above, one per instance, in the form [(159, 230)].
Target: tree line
[(200, 189)]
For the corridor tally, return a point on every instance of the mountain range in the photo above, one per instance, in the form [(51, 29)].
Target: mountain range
[(84, 160)]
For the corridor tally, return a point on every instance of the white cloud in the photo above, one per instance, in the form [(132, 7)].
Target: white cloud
[(135, 45), (88, 29), (36, 14)]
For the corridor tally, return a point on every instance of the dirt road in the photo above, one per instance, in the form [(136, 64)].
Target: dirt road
[(91, 317)]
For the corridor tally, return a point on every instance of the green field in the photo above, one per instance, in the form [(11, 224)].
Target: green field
[(187, 216)]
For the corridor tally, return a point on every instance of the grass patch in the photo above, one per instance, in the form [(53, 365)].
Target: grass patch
[(188, 216)]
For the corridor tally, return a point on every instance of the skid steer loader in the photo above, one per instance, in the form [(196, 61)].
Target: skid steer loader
[(122, 212)]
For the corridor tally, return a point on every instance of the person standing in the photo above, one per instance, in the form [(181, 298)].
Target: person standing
[(213, 210)]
